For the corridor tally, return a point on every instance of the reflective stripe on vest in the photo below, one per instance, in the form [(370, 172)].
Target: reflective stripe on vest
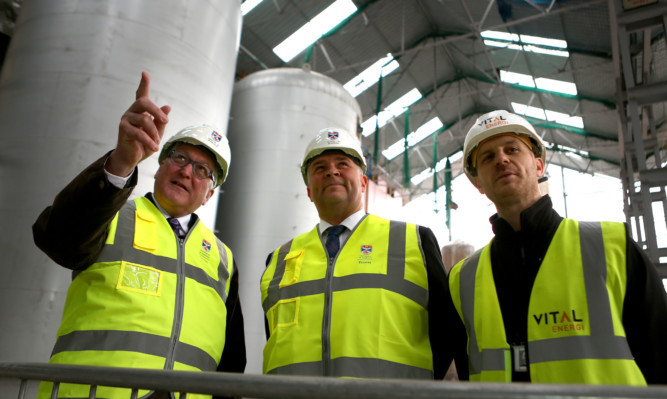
[(171, 348), (554, 358), (330, 285), (123, 243)]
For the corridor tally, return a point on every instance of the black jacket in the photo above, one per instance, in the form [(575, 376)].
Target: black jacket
[(515, 261), (72, 231)]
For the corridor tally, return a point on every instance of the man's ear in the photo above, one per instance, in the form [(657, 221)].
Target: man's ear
[(208, 196), (539, 164), (364, 182), (308, 190)]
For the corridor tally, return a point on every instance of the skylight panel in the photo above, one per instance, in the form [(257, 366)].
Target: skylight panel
[(494, 34), (508, 45), (391, 111), (543, 41), (248, 5), (548, 115), (382, 67), (517, 78), (313, 30), (572, 149), (574, 156), (533, 44), (529, 111), (557, 86), (425, 174), (414, 138), (565, 119), (428, 172), (542, 50)]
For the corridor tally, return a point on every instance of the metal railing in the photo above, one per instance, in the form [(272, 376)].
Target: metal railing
[(266, 386)]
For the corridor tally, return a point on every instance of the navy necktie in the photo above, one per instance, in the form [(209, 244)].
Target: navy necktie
[(333, 242), (176, 226)]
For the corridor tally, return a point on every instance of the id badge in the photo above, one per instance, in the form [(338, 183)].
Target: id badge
[(519, 358)]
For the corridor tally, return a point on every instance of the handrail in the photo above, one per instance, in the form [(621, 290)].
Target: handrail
[(293, 387)]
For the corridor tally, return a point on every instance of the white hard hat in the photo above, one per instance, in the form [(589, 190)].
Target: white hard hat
[(332, 138), (495, 123), (208, 137)]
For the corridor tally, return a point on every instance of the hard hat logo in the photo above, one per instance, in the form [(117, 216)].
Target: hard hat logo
[(208, 137), (493, 122), (496, 123), (215, 137), (332, 139)]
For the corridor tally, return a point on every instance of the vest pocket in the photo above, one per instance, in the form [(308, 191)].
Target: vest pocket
[(284, 314), (138, 278), (145, 231), (293, 261)]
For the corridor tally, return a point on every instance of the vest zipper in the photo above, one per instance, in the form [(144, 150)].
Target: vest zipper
[(178, 306)]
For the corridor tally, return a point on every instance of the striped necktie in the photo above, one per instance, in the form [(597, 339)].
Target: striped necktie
[(176, 226), (333, 242)]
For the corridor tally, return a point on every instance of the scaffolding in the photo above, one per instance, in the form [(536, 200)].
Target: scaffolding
[(639, 30)]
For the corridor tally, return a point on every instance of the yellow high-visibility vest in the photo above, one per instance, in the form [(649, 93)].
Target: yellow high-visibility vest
[(150, 301), (575, 330), (361, 315)]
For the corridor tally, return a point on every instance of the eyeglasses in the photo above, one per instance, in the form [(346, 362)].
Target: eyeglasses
[(201, 170)]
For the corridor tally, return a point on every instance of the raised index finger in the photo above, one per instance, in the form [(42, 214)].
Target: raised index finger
[(144, 85)]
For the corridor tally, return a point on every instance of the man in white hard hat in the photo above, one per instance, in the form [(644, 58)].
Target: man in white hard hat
[(153, 287), (358, 296), (550, 299)]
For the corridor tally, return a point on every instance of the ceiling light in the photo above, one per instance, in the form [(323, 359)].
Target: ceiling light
[(314, 29)]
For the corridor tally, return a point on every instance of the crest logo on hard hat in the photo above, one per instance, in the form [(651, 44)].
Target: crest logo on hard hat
[(332, 135), (216, 137)]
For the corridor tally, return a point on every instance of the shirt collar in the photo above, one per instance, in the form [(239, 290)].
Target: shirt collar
[(350, 222), (183, 220)]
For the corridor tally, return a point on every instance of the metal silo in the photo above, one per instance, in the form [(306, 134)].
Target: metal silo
[(70, 72), (275, 113)]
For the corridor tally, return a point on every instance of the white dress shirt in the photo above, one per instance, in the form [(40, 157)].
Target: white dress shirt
[(120, 182), (350, 222)]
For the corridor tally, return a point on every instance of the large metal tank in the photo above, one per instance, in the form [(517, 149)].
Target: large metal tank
[(71, 70), (275, 113)]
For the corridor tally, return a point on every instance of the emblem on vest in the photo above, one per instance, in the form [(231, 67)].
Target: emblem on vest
[(205, 250), (365, 256), (560, 321)]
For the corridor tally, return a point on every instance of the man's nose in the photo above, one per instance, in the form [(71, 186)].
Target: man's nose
[(188, 170), (332, 170), (501, 158)]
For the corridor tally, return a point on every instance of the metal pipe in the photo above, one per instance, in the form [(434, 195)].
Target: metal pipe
[(268, 386)]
